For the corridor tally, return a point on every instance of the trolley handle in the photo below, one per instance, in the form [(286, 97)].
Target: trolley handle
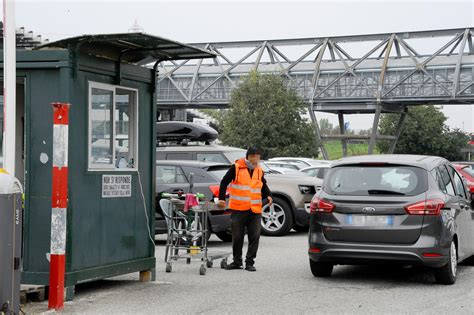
[(170, 195)]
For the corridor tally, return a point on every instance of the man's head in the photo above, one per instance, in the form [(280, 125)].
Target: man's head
[(253, 155)]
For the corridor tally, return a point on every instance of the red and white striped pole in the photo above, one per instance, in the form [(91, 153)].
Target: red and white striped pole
[(57, 267)]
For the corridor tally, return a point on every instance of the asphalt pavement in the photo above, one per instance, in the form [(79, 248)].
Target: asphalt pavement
[(283, 284)]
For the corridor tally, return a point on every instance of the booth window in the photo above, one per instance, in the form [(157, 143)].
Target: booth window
[(113, 123)]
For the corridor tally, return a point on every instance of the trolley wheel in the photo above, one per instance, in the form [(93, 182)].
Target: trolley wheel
[(209, 264), (168, 267), (188, 261), (224, 263), (202, 270)]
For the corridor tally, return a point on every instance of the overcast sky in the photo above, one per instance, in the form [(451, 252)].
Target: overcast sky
[(225, 20)]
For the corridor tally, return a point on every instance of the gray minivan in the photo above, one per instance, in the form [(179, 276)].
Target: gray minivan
[(406, 209)]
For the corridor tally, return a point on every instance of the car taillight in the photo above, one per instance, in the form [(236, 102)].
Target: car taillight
[(214, 190), (321, 205), (432, 255), (428, 207)]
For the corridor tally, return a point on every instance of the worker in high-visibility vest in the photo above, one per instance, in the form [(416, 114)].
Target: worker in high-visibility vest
[(247, 188)]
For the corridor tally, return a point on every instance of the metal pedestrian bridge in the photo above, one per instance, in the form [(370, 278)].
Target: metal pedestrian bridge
[(375, 74)]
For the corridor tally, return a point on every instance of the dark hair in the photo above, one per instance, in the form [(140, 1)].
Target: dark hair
[(253, 151)]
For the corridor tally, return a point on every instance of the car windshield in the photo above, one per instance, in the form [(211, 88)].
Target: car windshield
[(234, 155), (366, 180)]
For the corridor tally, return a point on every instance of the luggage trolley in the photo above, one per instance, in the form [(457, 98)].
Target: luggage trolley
[(188, 231)]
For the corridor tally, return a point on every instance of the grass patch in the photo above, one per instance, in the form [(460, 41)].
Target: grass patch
[(334, 149)]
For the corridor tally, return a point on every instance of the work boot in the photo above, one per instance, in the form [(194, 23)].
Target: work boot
[(233, 266), (250, 268)]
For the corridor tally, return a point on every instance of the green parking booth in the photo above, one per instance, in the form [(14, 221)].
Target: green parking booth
[(109, 82)]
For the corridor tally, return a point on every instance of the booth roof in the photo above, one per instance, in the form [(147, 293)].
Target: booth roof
[(136, 48)]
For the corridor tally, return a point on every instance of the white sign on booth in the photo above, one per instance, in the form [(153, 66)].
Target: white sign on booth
[(116, 186)]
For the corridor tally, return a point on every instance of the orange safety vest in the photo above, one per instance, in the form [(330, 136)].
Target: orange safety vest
[(245, 191)]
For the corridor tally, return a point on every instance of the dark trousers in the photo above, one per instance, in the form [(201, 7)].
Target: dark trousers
[(240, 221)]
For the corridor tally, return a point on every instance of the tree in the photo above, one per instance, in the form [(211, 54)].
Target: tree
[(424, 132), (325, 126), (264, 113), (454, 141)]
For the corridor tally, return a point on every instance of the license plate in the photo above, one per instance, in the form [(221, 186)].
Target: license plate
[(307, 206), (367, 220)]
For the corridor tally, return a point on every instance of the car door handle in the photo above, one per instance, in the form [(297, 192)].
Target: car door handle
[(178, 191)]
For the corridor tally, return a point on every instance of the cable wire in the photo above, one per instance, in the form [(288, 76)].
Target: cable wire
[(146, 210)]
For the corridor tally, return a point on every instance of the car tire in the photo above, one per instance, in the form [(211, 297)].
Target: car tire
[(447, 273), (225, 236), (279, 221), (301, 228), (320, 269)]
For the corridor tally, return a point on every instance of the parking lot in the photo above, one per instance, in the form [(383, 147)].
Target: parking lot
[(282, 284)]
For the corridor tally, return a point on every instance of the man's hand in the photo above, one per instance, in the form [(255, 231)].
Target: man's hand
[(270, 200), (221, 204)]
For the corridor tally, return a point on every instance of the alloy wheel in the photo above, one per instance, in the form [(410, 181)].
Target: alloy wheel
[(273, 217)]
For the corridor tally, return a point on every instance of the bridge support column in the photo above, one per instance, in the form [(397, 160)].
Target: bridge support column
[(375, 127), (398, 132), (318, 132), (342, 129)]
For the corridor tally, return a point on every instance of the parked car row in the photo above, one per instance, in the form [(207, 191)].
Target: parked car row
[(396, 209), (292, 193)]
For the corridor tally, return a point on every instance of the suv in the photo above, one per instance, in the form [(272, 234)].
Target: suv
[(405, 209), (292, 193)]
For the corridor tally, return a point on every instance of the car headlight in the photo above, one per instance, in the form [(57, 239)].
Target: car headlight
[(307, 189)]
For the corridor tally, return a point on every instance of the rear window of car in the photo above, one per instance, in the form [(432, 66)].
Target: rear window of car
[(469, 171), (218, 172), (233, 156), (364, 180), (179, 156), (211, 157)]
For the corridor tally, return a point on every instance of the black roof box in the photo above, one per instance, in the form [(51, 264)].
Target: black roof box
[(181, 130)]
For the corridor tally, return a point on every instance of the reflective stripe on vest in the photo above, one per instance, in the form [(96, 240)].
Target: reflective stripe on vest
[(240, 198), (241, 187)]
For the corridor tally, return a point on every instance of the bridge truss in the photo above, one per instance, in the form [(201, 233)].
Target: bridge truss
[(376, 74)]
